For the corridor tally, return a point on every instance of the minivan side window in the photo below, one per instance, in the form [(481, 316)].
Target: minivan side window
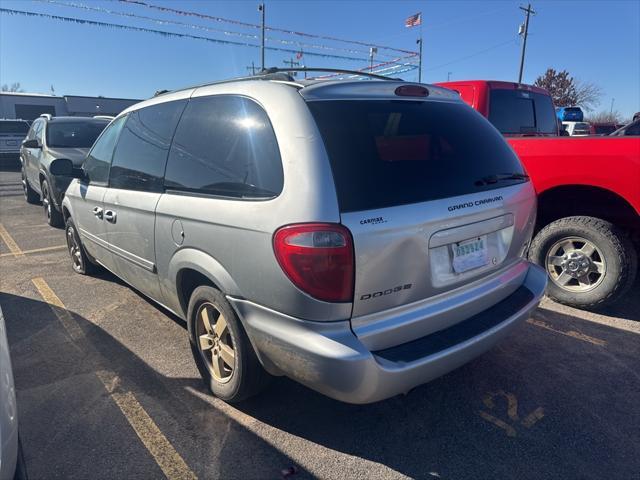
[(97, 164), (141, 153), (225, 146)]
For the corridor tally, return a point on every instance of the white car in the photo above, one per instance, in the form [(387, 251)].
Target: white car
[(8, 411), (577, 129)]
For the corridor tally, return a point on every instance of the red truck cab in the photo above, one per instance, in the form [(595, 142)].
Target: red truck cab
[(588, 193), (514, 109)]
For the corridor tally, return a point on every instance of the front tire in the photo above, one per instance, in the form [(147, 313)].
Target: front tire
[(221, 349), (53, 216), (80, 261), (590, 261), (30, 195)]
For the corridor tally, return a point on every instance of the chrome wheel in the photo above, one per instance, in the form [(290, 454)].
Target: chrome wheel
[(46, 202), (215, 342), (576, 264), (24, 185), (74, 250)]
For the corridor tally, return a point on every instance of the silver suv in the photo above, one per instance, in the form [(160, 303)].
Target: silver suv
[(360, 237)]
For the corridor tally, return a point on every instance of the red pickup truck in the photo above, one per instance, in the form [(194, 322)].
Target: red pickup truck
[(588, 193)]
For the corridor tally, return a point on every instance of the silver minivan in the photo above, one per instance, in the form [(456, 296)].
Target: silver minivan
[(359, 237)]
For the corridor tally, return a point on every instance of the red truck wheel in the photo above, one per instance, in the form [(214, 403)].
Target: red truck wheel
[(590, 261)]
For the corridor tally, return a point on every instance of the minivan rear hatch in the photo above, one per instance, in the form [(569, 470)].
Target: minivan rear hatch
[(434, 197)]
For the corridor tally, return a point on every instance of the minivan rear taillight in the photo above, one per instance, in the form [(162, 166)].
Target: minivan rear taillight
[(318, 259)]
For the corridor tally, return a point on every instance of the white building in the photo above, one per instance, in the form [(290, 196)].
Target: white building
[(29, 106)]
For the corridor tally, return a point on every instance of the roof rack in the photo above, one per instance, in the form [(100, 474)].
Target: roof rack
[(275, 70), (104, 117), (46, 115), (281, 74)]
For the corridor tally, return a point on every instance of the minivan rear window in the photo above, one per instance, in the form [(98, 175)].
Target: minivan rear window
[(385, 153), (517, 112)]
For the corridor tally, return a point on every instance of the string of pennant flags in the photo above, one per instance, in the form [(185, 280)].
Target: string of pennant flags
[(81, 21), (301, 45), (267, 28)]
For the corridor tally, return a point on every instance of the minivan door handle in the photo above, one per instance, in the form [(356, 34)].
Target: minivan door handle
[(97, 211), (110, 216)]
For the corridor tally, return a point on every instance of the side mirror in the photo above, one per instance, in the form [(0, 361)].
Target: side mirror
[(33, 143), (64, 167)]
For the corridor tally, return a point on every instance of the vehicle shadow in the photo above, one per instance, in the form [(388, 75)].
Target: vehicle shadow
[(71, 428), (554, 400), (628, 306)]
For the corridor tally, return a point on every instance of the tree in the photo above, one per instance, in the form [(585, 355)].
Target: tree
[(14, 87), (606, 117), (567, 91)]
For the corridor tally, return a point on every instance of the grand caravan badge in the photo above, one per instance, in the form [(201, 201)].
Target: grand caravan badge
[(477, 203)]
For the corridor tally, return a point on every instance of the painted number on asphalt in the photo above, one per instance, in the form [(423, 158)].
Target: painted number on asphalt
[(512, 420)]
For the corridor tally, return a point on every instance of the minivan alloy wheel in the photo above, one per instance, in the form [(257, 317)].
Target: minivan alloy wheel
[(576, 264), (215, 342), (46, 200), (74, 249)]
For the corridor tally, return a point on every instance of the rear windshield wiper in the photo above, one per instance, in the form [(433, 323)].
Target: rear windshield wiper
[(498, 177)]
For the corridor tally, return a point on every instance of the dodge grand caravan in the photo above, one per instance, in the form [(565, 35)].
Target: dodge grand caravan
[(360, 237)]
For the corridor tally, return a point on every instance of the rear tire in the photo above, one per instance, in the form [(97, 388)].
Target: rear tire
[(221, 348), (590, 261), (80, 262), (52, 215), (30, 195)]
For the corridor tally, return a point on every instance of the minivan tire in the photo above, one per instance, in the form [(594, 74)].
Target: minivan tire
[(30, 195), (247, 376), (619, 260), (53, 216), (80, 261)]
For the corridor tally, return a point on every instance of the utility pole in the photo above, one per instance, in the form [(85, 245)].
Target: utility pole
[(372, 50), (252, 68), (449, 76), (612, 100), (291, 64), (529, 11), (419, 42), (262, 9)]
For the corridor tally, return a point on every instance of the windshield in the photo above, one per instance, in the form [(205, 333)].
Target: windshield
[(522, 112), (79, 134), (18, 128), (387, 153)]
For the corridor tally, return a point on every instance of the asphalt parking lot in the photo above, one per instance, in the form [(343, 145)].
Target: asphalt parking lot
[(107, 388)]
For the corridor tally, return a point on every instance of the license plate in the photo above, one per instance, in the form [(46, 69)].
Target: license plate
[(12, 143), (469, 254)]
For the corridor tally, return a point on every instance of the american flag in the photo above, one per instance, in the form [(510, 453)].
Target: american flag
[(413, 20)]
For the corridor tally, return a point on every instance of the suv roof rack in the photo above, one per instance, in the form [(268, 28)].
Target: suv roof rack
[(104, 117), (46, 115), (275, 70)]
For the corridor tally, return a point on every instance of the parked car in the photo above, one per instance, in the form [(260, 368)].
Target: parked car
[(515, 109), (632, 129), (361, 238), (12, 132), (577, 129), (11, 464), (602, 128), (570, 114), (588, 209), (50, 138)]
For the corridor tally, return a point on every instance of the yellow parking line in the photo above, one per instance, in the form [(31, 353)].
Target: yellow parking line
[(10, 242), (35, 250), (168, 459), (570, 333)]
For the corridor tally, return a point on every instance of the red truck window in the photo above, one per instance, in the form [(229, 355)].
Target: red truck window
[(517, 112)]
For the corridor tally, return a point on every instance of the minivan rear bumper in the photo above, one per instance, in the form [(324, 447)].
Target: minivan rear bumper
[(329, 358)]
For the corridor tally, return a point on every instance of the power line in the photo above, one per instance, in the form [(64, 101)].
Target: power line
[(257, 26), (202, 27), (169, 34), (493, 47)]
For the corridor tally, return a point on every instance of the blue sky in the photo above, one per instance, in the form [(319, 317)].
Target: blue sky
[(596, 41)]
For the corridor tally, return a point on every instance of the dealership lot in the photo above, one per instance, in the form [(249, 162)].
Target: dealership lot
[(107, 388)]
